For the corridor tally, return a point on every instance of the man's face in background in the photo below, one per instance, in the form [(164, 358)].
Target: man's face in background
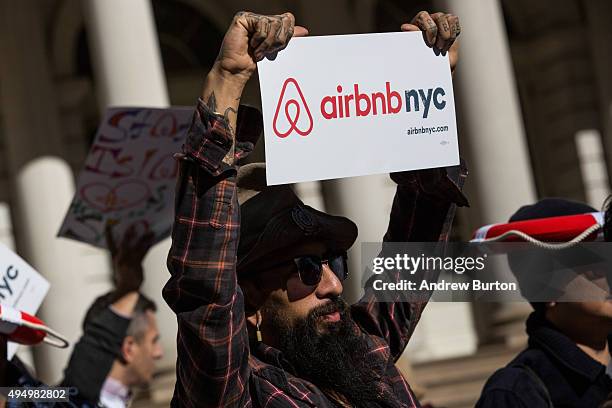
[(593, 286), (583, 317), (145, 351)]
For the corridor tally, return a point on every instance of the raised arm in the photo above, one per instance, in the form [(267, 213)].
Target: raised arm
[(212, 343), (108, 319), (423, 210)]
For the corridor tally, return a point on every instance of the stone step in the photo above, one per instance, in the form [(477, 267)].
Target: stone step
[(456, 370), (457, 382), (463, 395)]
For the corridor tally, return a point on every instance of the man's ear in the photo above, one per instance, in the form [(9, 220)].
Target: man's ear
[(257, 291), (254, 318), (128, 349), (253, 297)]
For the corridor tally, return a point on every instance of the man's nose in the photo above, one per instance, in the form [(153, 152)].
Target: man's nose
[(159, 352), (330, 285)]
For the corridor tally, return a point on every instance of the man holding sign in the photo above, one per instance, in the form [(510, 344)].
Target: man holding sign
[(256, 275)]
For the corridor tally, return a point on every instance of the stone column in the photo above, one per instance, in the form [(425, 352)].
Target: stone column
[(600, 40), (367, 202), (125, 50), (310, 194), (6, 228), (491, 120), (491, 125), (128, 71), (42, 183)]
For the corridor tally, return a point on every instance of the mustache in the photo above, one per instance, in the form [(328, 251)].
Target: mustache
[(335, 305)]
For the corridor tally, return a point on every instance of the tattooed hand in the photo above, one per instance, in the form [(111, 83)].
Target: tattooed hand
[(440, 31), (252, 37)]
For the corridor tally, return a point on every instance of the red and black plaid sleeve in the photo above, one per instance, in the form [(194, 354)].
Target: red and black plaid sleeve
[(212, 342), (423, 211)]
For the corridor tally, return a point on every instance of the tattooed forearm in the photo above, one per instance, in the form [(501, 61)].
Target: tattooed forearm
[(212, 102), (213, 105), (229, 120), (226, 115), (229, 157)]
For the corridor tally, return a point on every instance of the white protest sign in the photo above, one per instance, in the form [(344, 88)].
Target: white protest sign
[(129, 175), (21, 287), (352, 105)]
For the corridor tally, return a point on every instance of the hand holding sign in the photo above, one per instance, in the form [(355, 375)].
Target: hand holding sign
[(250, 38), (440, 31), (127, 258)]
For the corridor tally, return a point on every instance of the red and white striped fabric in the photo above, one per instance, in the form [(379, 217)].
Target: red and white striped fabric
[(13, 325), (552, 229)]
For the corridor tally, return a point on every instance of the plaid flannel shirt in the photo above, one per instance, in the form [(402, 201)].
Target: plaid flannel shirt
[(217, 367)]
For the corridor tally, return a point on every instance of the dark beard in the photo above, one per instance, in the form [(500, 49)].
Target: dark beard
[(336, 359)]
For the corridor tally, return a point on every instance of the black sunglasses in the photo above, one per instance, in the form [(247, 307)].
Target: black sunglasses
[(310, 268)]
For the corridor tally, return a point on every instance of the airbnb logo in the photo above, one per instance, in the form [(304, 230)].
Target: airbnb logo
[(297, 116), (293, 114)]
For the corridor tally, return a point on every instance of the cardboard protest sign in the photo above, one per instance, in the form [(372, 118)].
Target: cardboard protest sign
[(351, 105), (129, 175), (21, 287)]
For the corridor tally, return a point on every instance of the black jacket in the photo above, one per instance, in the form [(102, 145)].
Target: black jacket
[(552, 371), (94, 354)]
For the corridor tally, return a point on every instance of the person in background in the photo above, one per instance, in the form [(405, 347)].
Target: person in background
[(120, 341), (120, 334), (564, 364)]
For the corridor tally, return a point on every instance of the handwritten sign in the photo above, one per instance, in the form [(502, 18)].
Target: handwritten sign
[(21, 287), (129, 175), (352, 105)]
